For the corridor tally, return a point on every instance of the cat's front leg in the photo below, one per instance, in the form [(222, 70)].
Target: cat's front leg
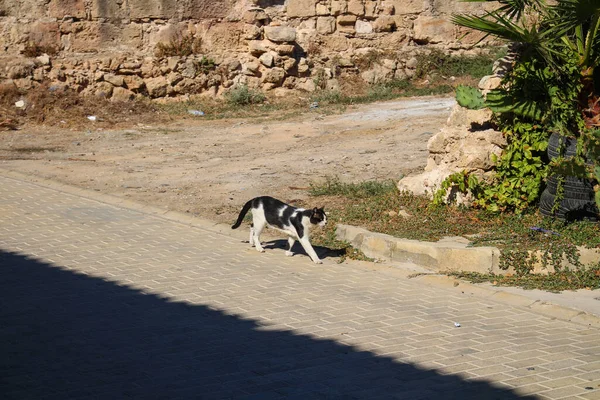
[(291, 242), (309, 250)]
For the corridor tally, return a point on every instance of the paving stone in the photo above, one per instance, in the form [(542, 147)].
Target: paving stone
[(100, 300)]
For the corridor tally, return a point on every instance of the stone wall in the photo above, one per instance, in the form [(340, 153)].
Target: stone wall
[(102, 46)]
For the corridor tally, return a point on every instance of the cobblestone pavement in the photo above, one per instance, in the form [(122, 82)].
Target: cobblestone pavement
[(102, 301)]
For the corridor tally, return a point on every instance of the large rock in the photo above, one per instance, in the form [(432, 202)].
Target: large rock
[(121, 95), (280, 34), (462, 144), (157, 87), (275, 76)]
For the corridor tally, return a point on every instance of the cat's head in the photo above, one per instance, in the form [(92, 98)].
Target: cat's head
[(318, 216)]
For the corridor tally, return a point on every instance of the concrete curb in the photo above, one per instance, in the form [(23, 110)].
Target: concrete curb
[(379, 245), (453, 254)]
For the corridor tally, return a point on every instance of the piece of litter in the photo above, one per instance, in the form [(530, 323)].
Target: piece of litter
[(314, 105), (197, 113), (91, 117), (542, 230), (456, 324), (20, 104), (530, 369)]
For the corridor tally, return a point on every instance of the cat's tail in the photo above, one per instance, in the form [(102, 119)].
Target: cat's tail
[(242, 214)]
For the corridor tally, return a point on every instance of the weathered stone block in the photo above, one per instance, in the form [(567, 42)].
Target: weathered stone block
[(322, 9), (45, 33), (115, 80), (267, 60), (403, 7), (275, 76), (325, 25), (433, 30), (140, 9), (134, 83), (255, 16), (285, 49), (346, 20), (301, 8), (61, 8), (204, 9), (339, 7), (356, 7), (384, 24), (363, 27), (111, 10), (157, 87), (122, 95), (280, 34)]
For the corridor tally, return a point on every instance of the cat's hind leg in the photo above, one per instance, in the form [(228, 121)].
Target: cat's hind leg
[(258, 227), (251, 240), (291, 242)]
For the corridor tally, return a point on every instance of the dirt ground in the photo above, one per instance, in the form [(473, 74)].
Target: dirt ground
[(210, 168)]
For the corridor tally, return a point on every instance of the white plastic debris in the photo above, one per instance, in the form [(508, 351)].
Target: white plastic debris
[(314, 105), (456, 324), (20, 104), (197, 113), (91, 117)]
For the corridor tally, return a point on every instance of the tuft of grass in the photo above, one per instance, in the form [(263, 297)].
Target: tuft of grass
[(582, 278), (242, 95), (381, 92), (477, 66), (333, 186), (380, 207), (179, 45)]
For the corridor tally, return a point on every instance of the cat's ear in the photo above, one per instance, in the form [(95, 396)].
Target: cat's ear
[(315, 210)]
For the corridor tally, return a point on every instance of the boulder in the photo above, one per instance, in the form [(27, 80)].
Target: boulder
[(122, 94), (275, 76), (280, 34), (115, 80), (157, 87), (267, 60)]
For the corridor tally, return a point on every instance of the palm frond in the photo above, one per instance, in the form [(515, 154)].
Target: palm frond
[(499, 26), (512, 9)]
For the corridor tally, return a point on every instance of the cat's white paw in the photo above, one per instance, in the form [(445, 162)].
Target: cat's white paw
[(260, 250), (318, 262), (289, 253)]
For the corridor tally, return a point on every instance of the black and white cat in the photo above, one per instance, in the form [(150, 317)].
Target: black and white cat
[(295, 222)]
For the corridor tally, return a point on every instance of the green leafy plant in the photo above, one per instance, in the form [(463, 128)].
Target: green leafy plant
[(205, 65), (242, 95), (469, 97), (553, 85)]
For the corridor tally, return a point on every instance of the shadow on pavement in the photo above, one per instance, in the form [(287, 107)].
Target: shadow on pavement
[(65, 335), (322, 252)]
